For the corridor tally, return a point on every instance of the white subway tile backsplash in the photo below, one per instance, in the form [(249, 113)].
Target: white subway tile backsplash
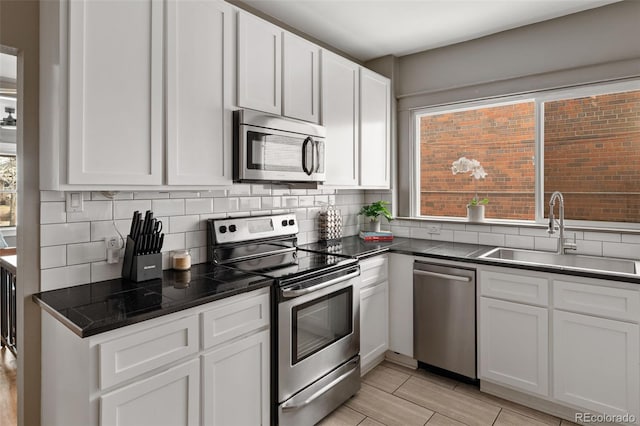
[(92, 210), (53, 257), (519, 241), (184, 194), (631, 238), (101, 271), (465, 237), (307, 225), (46, 196), (199, 206), (124, 209), (420, 233), (86, 252), (173, 242), (500, 229), (55, 278), (489, 239), (444, 235), (305, 201), (53, 212), (195, 239), (454, 226), (280, 190), (603, 236), (64, 233), (623, 250), (119, 195), (239, 189), (298, 191), (290, 202), (184, 223), (271, 202), (104, 229), (215, 193), (205, 217), (475, 228), (150, 195), (171, 207), (545, 243), (593, 248), (249, 203), (260, 189), (534, 232)]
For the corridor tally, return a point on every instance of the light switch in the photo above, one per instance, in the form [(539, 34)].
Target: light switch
[(74, 202)]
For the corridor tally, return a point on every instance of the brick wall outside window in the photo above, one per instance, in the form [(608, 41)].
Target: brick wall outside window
[(592, 155), (502, 139), (591, 149)]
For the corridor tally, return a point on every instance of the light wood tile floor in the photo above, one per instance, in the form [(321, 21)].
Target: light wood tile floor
[(395, 395)]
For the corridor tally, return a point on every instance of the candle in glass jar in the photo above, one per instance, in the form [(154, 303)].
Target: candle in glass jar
[(182, 260)]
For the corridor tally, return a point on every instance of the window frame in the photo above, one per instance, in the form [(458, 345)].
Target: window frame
[(539, 98)]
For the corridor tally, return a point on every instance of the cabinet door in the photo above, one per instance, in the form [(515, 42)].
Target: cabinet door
[(115, 92), (300, 79), (340, 117), (170, 398), (401, 304), (199, 71), (236, 383), (259, 64), (375, 121), (374, 323), (514, 345), (595, 363)]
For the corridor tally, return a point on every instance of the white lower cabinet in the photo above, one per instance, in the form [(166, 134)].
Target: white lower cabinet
[(169, 398), (236, 383), (596, 363), (374, 322), (374, 311), (401, 304), (208, 365), (514, 346)]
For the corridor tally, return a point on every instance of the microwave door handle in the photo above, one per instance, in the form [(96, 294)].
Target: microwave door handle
[(316, 160), (305, 157)]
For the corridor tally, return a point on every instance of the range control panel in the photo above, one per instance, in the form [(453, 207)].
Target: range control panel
[(255, 227)]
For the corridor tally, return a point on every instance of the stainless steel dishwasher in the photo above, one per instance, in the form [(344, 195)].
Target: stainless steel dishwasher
[(444, 317)]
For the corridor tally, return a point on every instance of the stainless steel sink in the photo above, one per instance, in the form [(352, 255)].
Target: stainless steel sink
[(564, 261)]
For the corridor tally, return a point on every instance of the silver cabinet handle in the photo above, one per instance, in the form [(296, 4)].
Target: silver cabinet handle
[(303, 291), (439, 275), (321, 391)]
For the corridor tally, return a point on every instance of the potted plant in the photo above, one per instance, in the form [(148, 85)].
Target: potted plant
[(373, 211), (475, 208)]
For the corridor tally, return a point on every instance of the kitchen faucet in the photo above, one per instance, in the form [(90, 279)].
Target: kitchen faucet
[(562, 244)]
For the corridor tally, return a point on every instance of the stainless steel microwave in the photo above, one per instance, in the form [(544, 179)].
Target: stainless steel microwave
[(271, 148)]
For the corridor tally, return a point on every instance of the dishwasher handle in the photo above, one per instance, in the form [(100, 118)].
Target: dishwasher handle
[(440, 275)]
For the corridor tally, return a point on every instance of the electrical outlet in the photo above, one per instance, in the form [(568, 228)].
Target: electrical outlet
[(433, 229), (113, 249)]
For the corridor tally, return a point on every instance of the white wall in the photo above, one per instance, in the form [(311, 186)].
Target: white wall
[(72, 244)]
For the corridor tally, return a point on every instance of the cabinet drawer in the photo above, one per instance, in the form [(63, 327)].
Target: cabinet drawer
[(373, 270), (515, 287), (138, 353), (616, 303), (241, 315)]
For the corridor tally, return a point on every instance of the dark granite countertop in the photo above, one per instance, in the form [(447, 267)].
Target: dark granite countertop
[(458, 252), (94, 308)]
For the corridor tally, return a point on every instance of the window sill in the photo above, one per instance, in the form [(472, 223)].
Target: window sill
[(523, 224)]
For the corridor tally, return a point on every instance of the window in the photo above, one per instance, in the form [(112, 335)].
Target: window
[(8, 189), (588, 140)]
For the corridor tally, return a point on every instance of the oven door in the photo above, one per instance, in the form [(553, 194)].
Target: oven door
[(274, 155), (318, 329)]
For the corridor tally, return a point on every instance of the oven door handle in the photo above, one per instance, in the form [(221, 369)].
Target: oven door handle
[(288, 406), (288, 294)]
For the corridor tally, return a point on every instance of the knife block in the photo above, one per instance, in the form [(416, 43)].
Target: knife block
[(142, 267)]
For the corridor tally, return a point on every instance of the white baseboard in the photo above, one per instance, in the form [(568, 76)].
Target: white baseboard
[(400, 359)]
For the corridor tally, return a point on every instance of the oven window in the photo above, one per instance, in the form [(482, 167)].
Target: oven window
[(274, 152), (320, 322)]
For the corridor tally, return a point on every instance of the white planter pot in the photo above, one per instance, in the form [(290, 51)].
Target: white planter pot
[(475, 213), (374, 226)]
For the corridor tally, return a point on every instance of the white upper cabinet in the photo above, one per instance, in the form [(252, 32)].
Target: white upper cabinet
[(199, 90), (300, 79), (259, 64), (340, 117), (375, 132), (115, 92)]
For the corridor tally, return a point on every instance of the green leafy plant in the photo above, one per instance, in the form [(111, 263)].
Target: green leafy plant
[(375, 210), (476, 202)]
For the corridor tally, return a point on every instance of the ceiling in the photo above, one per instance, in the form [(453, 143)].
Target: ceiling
[(367, 29)]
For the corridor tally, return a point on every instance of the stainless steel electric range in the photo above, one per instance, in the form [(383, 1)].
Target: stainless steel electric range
[(315, 313)]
